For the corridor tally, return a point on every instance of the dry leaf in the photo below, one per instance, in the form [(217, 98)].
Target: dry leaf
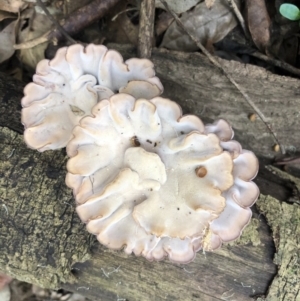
[(178, 6), (163, 22), (209, 25), (120, 28), (7, 40), (209, 3), (38, 25), (12, 6), (258, 23), (6, 15)]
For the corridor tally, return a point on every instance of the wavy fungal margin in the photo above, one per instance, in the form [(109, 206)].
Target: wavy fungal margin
[(158, 183), (65, 89)]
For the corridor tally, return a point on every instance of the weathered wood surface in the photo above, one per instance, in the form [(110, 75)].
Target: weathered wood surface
[(284, 219), (203, 90), (235, 272), (41, 236)]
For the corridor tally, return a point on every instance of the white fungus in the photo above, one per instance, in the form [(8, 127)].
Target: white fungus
[(158, 183), (66, 88)]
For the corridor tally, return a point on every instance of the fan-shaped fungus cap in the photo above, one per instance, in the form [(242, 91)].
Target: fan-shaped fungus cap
[(159, 183), (65, 89)]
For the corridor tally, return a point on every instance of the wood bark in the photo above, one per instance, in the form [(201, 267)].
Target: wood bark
[(41, 237), (146, 28), (83, 17)]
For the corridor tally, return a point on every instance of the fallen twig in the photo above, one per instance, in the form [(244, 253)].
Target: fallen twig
[(288, 161), (277, 63), (122, 12), (55, 22), (217, 64), (146, 28), (76, 21), (34, 42), (240, 18)]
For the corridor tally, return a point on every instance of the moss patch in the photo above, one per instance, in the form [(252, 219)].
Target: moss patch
[(250, 235), (40, 233), (284, 220)]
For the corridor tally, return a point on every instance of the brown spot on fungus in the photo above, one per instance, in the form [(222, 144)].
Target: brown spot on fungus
[(76, 111), (135, 141), (201, 171)]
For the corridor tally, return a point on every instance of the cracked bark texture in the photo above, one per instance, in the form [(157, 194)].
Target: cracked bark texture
[(40, 233), (284, 220), (41, 236)]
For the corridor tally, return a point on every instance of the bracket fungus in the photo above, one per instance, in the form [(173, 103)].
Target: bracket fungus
[(144, 177), (66, 88), (158, 183)]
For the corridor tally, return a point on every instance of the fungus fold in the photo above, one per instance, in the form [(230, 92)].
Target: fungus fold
[(66, 88), (158, 183)]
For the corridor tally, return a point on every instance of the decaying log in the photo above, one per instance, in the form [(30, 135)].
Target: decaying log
[(41, 237)]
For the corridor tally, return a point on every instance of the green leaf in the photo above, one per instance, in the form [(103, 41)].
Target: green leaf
[(290, 11)]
